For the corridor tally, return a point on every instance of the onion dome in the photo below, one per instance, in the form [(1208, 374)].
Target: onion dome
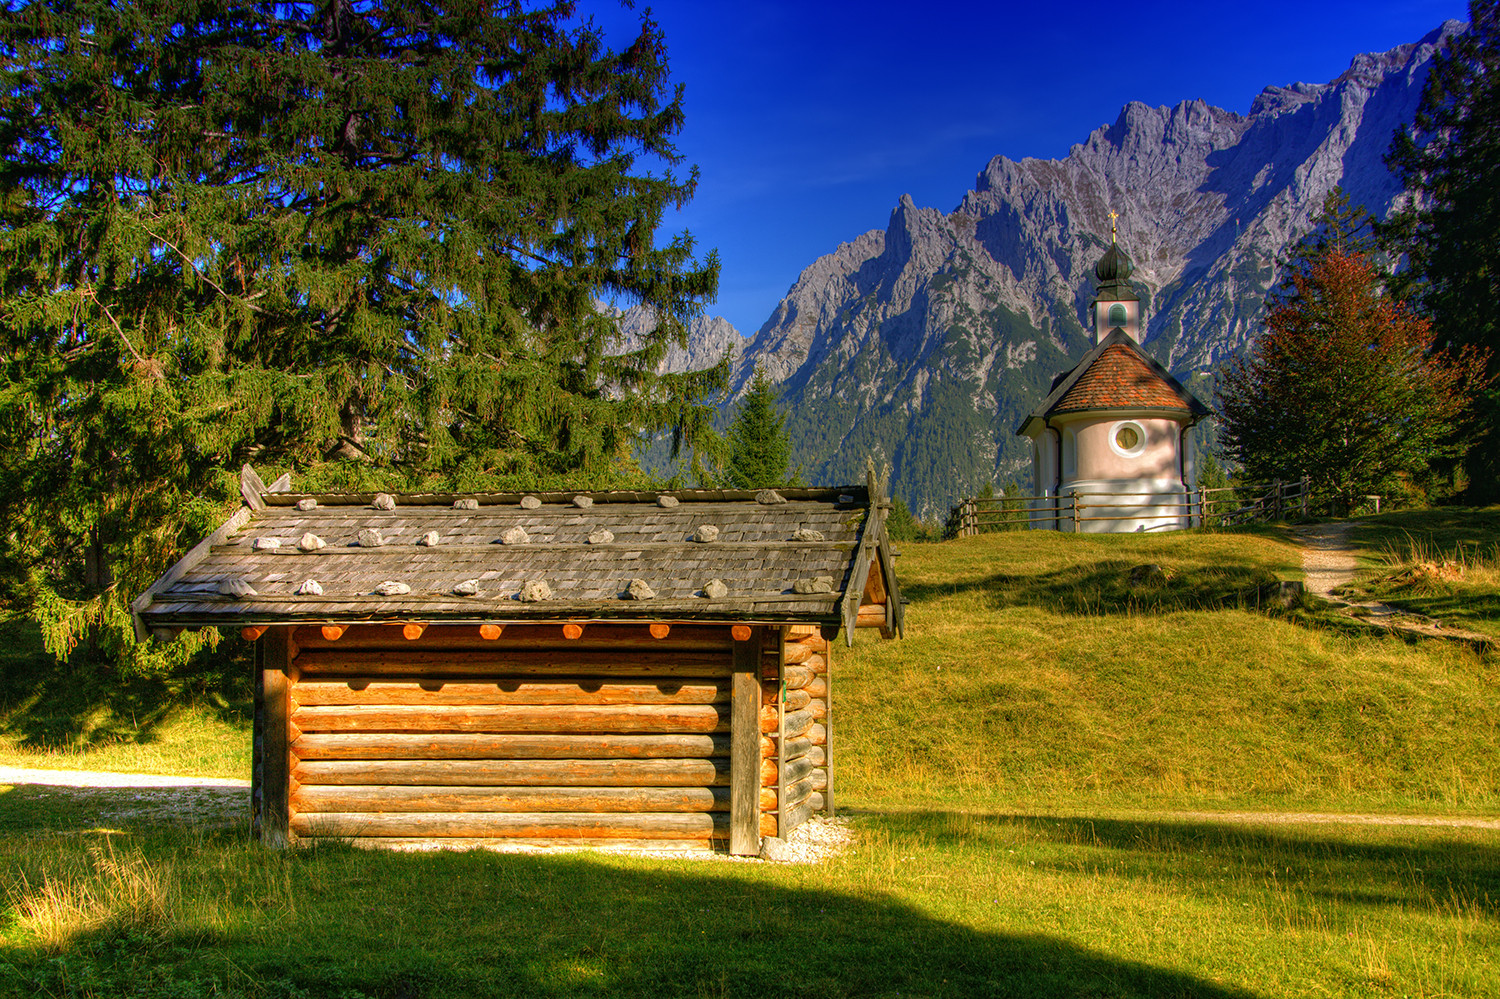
[(1113, 271), (1114, 267)]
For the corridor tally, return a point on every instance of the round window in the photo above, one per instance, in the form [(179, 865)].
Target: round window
[(1128, 439)]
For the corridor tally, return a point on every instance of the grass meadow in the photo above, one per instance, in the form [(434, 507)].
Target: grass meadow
[(1058, 784)]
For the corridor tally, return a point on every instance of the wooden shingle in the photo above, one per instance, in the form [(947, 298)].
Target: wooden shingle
[(757, 555)]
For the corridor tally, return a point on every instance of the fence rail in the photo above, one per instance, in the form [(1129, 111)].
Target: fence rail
[(1222, 506)]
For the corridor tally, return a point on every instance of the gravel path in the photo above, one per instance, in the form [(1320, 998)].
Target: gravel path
[(1329, 562), (110, 800), (101, 778), (1327, 556), (224, 802)]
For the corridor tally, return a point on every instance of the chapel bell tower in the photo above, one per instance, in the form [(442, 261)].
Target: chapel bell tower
[(1116, 304)]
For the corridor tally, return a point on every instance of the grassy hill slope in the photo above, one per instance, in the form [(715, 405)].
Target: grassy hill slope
[(1013, 764), (1034, 675)]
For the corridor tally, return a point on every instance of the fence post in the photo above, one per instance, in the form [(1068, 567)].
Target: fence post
[(1306, 486), (1074, 497), (1276, 507)]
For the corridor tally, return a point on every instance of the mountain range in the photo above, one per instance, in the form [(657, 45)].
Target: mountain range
[(924, 343)]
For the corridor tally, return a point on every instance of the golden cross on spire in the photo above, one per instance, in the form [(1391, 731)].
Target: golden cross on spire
[(1112, 216)]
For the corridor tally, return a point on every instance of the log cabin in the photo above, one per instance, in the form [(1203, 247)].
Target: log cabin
[(614, 669)]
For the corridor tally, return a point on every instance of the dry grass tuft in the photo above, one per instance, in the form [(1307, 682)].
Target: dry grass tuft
[(116, 891), (1420, 565)]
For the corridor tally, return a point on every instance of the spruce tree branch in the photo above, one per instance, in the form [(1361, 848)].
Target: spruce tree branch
[(245, 300), (90, 293)]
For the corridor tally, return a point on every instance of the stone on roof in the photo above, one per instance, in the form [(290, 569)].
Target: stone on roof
[(578, 561)]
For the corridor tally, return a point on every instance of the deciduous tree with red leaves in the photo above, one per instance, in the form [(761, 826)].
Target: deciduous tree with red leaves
[(1344, 386)]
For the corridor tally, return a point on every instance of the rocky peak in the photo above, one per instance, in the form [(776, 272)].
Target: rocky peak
[(924, 341)]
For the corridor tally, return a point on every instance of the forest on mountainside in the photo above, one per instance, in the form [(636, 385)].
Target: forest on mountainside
[(926, 342)]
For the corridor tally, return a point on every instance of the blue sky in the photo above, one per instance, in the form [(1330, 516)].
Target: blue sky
[(808, 121)]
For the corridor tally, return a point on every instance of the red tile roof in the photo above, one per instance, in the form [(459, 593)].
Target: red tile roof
[(1120, 378)]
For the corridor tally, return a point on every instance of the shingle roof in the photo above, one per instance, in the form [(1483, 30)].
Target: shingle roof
[(1119, 378), (820, 540), (1116, 374)]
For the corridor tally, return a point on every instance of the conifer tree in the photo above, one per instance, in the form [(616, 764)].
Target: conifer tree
[(1449, 160), (759, 449), (360, 238), (1344, 385)]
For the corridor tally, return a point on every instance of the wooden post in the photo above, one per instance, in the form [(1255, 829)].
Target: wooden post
[(1074, 497), (257, 744), (275, 750), (1306, 487), (744, 750)]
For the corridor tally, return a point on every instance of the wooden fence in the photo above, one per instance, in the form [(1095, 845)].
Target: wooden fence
[(1216, 507)]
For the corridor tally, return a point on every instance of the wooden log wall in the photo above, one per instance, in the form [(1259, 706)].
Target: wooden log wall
[(612, 738), (795, 718)]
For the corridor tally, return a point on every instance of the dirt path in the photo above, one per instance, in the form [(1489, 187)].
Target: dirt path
[(1330, 561), (101, 778), (1328, 557), (1331, 819)]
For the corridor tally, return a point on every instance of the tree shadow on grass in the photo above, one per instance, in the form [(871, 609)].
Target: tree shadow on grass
[(1353, 865), (87, 702), (432, 926), (1105, 586)]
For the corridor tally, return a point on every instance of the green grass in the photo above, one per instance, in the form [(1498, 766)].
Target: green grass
[(84, 715), (1445, 532), (929, 903), (1017, 773), (1034, 676)]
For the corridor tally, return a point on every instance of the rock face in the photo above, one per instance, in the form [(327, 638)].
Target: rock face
[(923, 344), (710, 339)]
